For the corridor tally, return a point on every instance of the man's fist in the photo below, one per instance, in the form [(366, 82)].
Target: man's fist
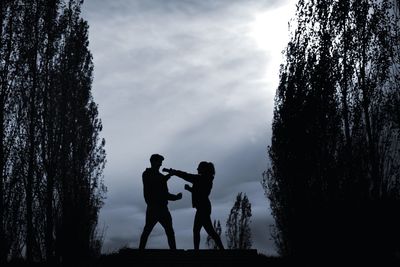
[(179, 196)]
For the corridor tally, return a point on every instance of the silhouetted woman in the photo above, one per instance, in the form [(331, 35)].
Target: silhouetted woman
[(202, 184)]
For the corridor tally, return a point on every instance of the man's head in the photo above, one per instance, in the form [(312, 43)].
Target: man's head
[(156, 160)]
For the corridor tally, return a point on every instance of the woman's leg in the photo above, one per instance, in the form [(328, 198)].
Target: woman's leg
[(211, 231), (196, 230)]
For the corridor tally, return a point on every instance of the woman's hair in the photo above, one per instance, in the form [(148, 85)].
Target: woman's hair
[(206, 168)]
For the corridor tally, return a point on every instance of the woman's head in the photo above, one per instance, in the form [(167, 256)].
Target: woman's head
[(206, 168)]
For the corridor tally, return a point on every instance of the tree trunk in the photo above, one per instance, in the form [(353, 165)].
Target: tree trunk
[(30, 178), (32, 140), (3, 253)]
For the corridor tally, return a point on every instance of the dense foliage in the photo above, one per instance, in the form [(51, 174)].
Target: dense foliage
[(51, 154), (334, 180)]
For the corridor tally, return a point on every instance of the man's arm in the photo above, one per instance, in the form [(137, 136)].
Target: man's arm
[(169, 175), (146, 189)]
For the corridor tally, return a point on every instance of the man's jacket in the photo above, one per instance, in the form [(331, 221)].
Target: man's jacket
[(155, 188)]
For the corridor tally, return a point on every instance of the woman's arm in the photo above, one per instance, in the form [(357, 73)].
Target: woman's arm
[(173, 197), (189, 188), (181, 174)]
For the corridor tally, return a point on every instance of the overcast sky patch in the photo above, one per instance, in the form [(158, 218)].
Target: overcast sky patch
[(193, 81)]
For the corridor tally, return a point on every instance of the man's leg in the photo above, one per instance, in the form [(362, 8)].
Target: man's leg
[(151, 220), (166, 222)]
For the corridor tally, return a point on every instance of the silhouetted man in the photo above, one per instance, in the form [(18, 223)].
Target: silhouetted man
[(157, 196)]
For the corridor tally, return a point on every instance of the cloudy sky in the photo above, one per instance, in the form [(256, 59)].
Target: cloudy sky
[(192, 80)]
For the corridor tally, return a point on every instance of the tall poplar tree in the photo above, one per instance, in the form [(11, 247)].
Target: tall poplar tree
[(334, 177), (51, 153)]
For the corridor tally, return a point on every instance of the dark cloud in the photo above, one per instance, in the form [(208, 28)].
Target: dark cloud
[(184, 79)]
